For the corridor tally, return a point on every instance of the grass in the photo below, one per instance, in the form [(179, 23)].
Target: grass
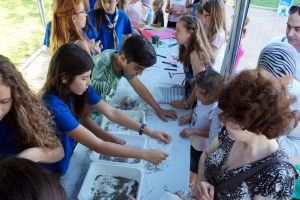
[(269, 3), (21, 28)]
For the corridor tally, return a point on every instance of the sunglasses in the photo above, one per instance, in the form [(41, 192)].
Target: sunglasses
[(295, 8)]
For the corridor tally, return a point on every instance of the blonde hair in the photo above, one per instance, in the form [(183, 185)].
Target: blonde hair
[(198, 42), (31, 121), (217, 22), (63, 28)]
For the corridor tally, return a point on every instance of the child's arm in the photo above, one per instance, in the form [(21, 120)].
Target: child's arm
[(43, 155), (193, 131), (184, 119), (88, 139), (144, 93), (117, 116)]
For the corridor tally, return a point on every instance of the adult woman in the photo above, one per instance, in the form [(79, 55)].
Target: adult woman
[(26, 128), (255, 112)]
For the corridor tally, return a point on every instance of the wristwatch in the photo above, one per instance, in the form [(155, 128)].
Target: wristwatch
[(141, 131)]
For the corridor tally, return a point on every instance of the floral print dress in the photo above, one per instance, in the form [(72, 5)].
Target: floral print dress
[(275, 181)]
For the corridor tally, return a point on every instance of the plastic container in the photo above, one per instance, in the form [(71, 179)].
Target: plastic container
[(107, 125), (135, 141), (115, 170)]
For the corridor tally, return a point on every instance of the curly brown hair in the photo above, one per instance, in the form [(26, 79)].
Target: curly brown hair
[(257, 102), (30, 120)]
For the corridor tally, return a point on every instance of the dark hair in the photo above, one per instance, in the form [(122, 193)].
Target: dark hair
[(139, 50), (22, 179), (295, 8), (198, 42), (28, 118), (256, 101), (210, 81), (69, 60)]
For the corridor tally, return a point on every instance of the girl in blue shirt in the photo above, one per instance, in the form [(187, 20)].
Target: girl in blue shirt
[(26, 128), (70, 98), (111, 24)]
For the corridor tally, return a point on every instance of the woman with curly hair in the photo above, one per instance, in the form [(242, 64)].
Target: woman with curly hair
[(255, 112), (26, 128)]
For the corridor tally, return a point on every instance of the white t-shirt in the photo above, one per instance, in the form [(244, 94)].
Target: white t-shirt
[(284, 39), (201, 120), (219, 42), (291, 142)]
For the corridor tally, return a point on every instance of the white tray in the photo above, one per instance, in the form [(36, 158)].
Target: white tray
[(107, 125), (135, 141), (100, 168)]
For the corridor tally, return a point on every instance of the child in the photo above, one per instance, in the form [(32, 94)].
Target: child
[(158, 20), (136, 12), (213, 17), (148, 11), (23, 179), (136, 54), (111, 24), (241, 50), (194, 52), (69, 19), (69, 97), (175, 8), (25, 125), (208, 85)]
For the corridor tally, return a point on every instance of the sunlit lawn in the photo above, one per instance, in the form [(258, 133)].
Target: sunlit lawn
[(269, 3), (21, 30)]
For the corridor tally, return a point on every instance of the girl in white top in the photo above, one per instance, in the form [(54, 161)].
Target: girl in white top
[(213, 17), (208, 84)]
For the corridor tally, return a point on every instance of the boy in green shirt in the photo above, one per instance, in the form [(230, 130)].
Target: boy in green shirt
[(110, 66)]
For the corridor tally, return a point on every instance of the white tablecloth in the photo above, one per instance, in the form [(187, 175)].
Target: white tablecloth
[(174, 173)]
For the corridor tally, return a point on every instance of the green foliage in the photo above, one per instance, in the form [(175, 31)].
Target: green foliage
[(269, 3)]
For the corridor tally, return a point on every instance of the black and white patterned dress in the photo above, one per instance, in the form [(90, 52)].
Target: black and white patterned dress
[(276, 181)]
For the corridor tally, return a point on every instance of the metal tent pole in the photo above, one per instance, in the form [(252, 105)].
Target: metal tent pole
[(41, 7), (240, 13)]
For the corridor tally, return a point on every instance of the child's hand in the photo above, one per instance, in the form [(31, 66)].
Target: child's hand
[(181, 104), (186, 132), (185, 119), (161, 136), (154, 156)]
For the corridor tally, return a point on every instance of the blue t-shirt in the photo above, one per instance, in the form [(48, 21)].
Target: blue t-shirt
[(65, 122), (8, 143), (123, 27)]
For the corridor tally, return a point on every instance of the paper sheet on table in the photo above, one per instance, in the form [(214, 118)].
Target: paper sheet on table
[(171, 94)]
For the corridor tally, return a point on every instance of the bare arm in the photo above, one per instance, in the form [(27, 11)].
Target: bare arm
[(210, 149), (117, 116), (43, 155), (144, 93), (99, 132), (194, 131), (87, 138)]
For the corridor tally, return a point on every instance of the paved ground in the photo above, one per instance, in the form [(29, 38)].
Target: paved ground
[(264, 25)]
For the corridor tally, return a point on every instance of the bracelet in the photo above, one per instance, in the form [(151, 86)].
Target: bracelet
[(141, 131)]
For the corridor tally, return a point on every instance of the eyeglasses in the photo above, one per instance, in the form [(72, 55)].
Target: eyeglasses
[(294, 9), (81, 12)]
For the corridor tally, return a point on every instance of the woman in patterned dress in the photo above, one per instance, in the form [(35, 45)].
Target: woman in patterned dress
[(255, 112)]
